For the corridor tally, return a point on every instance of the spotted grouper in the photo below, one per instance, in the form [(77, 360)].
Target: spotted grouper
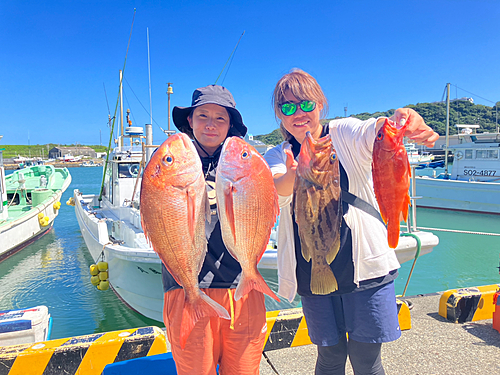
[(318, 209), (174, 206)]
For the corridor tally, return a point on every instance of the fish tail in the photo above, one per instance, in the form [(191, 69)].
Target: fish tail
[(323, 281), (393, 233), (194, 311), (256, 282)]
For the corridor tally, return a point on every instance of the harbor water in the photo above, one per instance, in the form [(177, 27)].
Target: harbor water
[(54, 271)]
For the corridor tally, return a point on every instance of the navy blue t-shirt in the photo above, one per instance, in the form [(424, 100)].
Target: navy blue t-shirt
[(220, 269), (342, 266)]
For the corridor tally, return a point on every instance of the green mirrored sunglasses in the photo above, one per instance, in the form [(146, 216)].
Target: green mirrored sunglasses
[(290, 108)]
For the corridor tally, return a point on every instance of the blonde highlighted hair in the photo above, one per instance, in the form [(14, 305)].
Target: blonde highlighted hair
[(304, 87)]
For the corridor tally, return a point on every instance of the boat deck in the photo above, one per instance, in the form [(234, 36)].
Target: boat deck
[(432, 346)]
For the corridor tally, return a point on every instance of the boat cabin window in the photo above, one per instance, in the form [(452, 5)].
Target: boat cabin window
[(468, 154), (128, 170), (486, 154)]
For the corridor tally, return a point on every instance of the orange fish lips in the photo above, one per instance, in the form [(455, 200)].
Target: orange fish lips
[(391, 178), (247, 203), (174, 206)]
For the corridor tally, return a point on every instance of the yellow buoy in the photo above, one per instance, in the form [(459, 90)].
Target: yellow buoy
[(56, 205), (103, 275), (102, 266), (95, 280), (94, 270), (40, 215), (44, 221), (103, 285)]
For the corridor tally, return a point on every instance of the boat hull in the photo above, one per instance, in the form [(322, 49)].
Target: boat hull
[(472, 196), (134, 273), (17, 234)]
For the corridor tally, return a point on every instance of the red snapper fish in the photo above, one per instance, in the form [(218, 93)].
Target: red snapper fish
[(318, 209), (391, 178), (247, 204), (174, 205)]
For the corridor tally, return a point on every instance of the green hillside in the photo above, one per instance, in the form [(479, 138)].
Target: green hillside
[(434, 114), (42, 151)]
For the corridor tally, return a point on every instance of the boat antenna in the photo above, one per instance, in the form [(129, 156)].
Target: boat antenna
[(229, 58), (149, 75), (116, 109)]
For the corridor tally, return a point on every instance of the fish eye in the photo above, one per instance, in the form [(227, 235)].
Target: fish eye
[(245, 154), (168, 159), (333, 157), (380, 136)]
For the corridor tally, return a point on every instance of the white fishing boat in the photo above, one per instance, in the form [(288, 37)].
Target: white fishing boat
[(111, 227), (474, 182), (30, 202), (89, 163), (417, 156)]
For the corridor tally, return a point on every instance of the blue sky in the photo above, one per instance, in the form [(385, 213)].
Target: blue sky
[(57, 58)]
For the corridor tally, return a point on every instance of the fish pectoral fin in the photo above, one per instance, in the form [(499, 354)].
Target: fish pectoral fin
[(405, 208), (334, 250), (191, 210), (229, 207), (208, 213), (306, 251)]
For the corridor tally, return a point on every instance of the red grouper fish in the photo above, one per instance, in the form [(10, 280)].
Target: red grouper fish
[(247, 203), (318, 209), (391, 178), (174, 206)]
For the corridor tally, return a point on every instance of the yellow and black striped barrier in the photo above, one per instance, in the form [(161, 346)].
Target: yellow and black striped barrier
[(285, 329), (288, 328), (87, 354), (468, 304)]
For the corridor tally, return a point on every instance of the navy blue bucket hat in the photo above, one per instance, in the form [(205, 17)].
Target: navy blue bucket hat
[(212, 94)]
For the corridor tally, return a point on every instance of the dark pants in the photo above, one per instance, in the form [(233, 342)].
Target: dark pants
[(365, 358)]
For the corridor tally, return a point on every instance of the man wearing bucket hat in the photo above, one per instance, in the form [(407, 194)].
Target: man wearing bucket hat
[(235, 345)]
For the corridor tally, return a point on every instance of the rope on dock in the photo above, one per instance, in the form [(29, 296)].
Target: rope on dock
[(460, 231)]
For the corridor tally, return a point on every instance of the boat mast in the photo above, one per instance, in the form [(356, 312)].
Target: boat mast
[(121, 111), (447, 128)]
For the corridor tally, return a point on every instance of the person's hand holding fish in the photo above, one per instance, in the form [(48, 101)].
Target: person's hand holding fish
[(416, 128)]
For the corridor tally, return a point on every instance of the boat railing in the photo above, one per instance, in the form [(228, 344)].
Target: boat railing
[(412, 224)]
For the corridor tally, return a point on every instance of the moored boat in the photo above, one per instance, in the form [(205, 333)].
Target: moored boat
[(30, 201), (474, 182)]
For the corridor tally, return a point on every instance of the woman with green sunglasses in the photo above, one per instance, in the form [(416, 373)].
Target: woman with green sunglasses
[(364, 306)]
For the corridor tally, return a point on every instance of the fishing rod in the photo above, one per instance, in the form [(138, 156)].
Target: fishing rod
[(116, 109), (229, 58)]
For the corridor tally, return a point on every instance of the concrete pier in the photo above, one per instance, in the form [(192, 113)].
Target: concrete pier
[(433, 346)]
